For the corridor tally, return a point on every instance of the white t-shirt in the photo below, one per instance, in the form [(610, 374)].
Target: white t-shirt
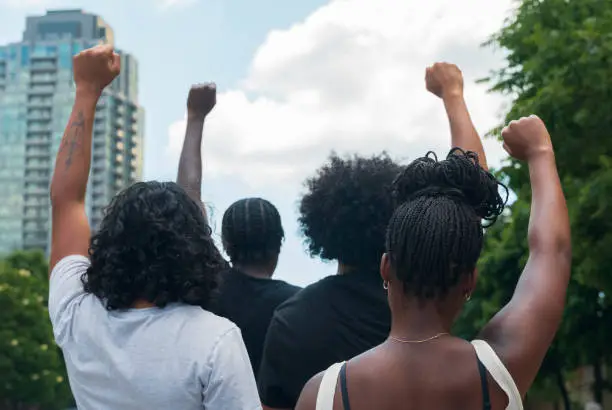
[(179, 357)]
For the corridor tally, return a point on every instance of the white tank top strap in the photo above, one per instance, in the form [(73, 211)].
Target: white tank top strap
[(499, 373), (327, 389)]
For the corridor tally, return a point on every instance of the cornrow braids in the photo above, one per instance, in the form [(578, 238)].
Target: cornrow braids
[(252, 231), (435, 234)]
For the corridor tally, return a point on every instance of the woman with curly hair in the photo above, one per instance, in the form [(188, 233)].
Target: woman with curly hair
[(127, 306), (433, 242), (344, 217)]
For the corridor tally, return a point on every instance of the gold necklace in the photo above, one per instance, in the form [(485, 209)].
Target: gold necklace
[(397, 339)]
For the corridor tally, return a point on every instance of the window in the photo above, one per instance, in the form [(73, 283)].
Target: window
[(65, 55)]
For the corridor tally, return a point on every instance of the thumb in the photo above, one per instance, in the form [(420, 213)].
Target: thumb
[(115, 64), (507, 149)]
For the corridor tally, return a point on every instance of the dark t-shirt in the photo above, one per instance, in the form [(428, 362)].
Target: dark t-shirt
[(330, 321), (250, 302)]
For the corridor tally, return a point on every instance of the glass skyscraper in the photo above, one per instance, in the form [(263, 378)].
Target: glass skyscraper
[(36, 96)]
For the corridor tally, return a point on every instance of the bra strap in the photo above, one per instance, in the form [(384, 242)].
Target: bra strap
[(343, 389), (327, 389)]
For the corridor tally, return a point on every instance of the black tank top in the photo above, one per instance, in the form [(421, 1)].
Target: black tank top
[(483, 382)]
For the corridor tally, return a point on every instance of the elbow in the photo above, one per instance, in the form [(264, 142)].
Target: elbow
[(557, 242)]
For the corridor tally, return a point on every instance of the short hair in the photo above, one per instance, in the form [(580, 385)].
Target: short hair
[(252, 231), (346, 208), (436, 233), (154, 244)]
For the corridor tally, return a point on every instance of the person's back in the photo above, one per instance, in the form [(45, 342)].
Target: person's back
[(127, 304), (331, 320), (250, 302), (252, 235), (433, 243), (343, 216), (149, 358)]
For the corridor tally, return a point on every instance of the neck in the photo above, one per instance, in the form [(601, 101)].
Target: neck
[(414, 319), (344, 269), (255, 271)]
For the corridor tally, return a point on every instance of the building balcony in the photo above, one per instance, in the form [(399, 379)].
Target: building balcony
[(37, 142), (38, 166), (38, 134), (42, 65), (38, 116), (41, 90), (40, 216), (38, 178), (40, 103), (42, 78), (36, 202), (34, 154)]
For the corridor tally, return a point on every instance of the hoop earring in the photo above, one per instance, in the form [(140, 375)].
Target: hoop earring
[(386, 285), (468, 296)]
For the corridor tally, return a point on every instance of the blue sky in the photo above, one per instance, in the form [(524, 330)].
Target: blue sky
[(296, 80)]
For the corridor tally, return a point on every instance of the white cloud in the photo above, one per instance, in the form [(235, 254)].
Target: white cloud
[(350, 78)]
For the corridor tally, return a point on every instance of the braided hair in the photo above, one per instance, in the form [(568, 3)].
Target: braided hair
[(252, 232), (435, 234)]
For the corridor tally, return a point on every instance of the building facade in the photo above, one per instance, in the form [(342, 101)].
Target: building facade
[(36, 96)]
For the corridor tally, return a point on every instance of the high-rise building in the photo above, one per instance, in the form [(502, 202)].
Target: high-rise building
[(36, 96)]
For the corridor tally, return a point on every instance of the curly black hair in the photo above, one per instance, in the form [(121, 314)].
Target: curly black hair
[(252, 232), (436, 233), (154, 244), (346, 209)]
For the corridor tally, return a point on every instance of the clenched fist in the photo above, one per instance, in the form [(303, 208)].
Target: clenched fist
[(444, 80), (95, 68), (527, 137), (201, 100)]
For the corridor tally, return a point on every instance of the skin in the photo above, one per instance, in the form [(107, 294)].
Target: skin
[(415, 376), (201, 100), (445, 81), (93, 69), (258, 271)]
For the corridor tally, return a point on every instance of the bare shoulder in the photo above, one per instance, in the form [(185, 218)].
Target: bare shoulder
[(308, 397)]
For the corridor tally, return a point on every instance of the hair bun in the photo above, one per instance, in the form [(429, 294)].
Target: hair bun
[(459, 175)]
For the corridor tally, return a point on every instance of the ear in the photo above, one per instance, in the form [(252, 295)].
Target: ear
[(471, 281), (385, 268)]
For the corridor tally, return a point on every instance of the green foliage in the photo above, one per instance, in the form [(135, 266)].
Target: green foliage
[(32, 371), (559, 55)]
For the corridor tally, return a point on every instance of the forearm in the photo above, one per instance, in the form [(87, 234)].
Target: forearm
[(190, 164), (73, 160), (463, 132), (549, 229)]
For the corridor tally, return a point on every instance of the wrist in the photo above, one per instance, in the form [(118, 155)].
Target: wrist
[(195, 116), (542, 153), (88, 94), (453, 95)]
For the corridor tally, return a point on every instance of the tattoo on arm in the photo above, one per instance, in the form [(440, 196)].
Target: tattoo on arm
[(74, 138)]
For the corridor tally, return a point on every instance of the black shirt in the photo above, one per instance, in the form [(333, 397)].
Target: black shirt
[(249, 302), (330, 321)]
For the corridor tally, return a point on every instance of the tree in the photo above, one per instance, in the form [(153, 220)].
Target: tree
[(559, 55), (32, 372)]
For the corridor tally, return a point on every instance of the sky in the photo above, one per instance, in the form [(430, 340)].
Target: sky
[(296, 80)]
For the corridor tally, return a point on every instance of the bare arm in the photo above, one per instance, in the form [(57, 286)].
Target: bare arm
[(446, 81), (523, 330), (201, 100), (308, 397), (190, 165), (94, 69), (463, 132)]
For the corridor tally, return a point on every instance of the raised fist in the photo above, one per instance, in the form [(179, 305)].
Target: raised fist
[(95, 68), (202, 99), (444, 80), (526, 137)]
